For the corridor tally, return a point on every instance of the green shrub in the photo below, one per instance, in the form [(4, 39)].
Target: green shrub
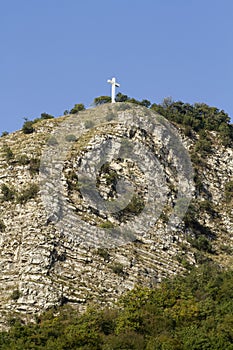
[(164, 217), (196, 159), (207, 206), (72, 181), (15, 294), (106, 224), (70, 138), (188, 312), (203, 146), (23, 160), (2, 226), (188, 130), (34, 166), (105, 168), (4, 133), (103, 253), (102, 100), (135, 206), (111, 177), (198, 182), (77, 108), (226, 133), (28, 127), (89, 124), (46, 116), (28, 193), (117, 268), (8, 194), (7, 152), (52, 141), (201, 243)]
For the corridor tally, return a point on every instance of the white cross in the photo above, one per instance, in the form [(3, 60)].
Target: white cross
[(114, 85)]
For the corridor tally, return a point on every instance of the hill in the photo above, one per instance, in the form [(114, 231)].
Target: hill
[(96, 203)]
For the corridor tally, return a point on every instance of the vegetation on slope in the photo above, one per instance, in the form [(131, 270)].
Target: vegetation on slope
[(192, 312), (197, 117)]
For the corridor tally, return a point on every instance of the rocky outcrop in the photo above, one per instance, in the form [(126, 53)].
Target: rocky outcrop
[(95, 204)]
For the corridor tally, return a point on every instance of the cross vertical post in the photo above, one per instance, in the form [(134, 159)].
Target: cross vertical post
[(114, 85)]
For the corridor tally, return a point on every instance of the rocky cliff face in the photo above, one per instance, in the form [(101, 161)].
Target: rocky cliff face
[(96, 203)]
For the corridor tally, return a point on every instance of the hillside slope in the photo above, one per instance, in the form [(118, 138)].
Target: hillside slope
[(48, 258)]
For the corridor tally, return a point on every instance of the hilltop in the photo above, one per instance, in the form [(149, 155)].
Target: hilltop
[(49, 259)]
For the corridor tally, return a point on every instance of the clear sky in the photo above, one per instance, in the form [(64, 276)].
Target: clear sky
[(55, 53)]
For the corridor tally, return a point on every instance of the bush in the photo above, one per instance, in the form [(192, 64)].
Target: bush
[(207, 206), (201, 243), (30, 192), (111, 177), (102, 100), (23, 159), (28, 127), (191, 312), (103, 253), (203, 146), (226, 133), (117, 268), (106, 224), (2, 226), (7, 152), (70, 138), (199, 117), (15, 294), (77, 108), (89, 124), (196, 159), (198, 183), (4, 133), (52, 141), (188, 131), (46, 116), (135, 206), (8, 193), (34, 166)]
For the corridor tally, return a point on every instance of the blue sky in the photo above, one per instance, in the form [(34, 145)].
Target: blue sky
[(55, 53)]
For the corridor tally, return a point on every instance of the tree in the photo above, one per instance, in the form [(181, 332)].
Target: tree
[(146, 103), (28, 127), (77, 108), (46, 116), (101, 100), (167, 101), (4, 133), (7, 193), (121, 98)]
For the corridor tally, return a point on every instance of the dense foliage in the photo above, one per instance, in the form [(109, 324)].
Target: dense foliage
[(198, 117), (192, 312)]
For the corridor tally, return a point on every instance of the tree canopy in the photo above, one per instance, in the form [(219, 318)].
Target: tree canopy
[(192, 312)]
